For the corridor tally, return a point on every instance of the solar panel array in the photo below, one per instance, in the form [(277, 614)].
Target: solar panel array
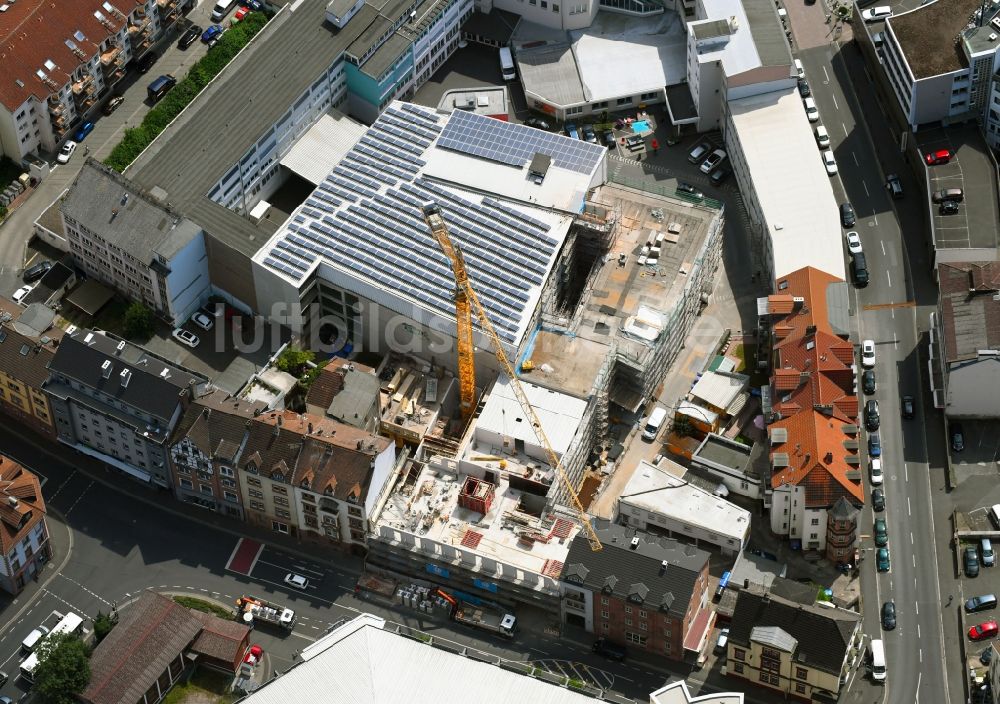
[(366, 217), (516, 145)]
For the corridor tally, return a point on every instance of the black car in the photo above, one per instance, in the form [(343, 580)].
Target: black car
[(908, 410), (970, 559), (689, 190), (986, 656), (878, 500), (804, 90), (112, 105), (189, 37), (588, 134), (949, 207), (868, 381), (37, 271), (888, 615), (847, 215), (957, 437), (609, 139), (146, 62), (718, 176), (603, 646), (894, 185), (984, 602), (537, 123), (871, 415)]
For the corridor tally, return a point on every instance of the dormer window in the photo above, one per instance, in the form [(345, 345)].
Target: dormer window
[(252, 468)]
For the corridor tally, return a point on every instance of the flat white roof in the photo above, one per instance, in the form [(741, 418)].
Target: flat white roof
[(719, 389), (361, 661), (738, 53), (560, 414), (322, 146), (677, 693), (790, 181), (658, 491)]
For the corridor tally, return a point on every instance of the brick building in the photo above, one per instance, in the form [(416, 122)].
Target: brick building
[(24, 537), (24, 361), (641, 591)]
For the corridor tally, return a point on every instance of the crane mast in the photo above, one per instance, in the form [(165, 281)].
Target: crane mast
[(466, 302)]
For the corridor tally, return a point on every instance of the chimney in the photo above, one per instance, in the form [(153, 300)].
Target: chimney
[(360, 444), (277, 427), (810, 330), (829, 458), (125, 376), (12, 501), (635, 543), (106, 369), (310, 428), (120, 348)]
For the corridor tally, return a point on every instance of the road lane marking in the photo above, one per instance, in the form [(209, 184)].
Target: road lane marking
[(906, 476), (79, 498), (867, 194), (908, 511), (911, 538), (826, 75), (856, 162), (916, 605), (845, 128), (888, 277), (837, 107), (888, 306), (883, 247)]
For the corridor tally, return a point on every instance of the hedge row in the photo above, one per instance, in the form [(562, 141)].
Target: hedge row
[(136, 139)]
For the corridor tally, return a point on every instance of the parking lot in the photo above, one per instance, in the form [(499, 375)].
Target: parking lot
[(981, 455), (474, 66)]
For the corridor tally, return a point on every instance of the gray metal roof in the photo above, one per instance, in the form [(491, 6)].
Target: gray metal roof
[(104, 201), (768, 35), (636, 572), (551, 70), (366, 219), (774, 637), (153, 386), (247, 98), (386, 55)]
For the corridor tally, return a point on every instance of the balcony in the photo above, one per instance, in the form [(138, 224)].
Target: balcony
[(83, 87), (328, 506), (58, 120), (112, 57)]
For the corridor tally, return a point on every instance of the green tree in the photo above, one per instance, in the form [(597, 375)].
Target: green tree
[(63, 668), (138, 322), (294, 360), (682, 426), (103, 623)]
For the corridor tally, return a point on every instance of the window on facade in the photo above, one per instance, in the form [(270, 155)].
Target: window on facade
[(642, 626), (604, 626), (256, 505), (207, 490), (253, 481), (815, 521), (801, 673), (279, 527), (186, 484), (635, 638), (800, 688), (739, 653), (628, 621), (256, 494), (625, 101), (605, 614), (604, 601), (628, 609), (738, 668), (280, 513), (769, 678), (230, 496)]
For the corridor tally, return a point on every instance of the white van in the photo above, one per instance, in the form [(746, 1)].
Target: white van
[(879, 669), (222, 8), (995, 514), (507, 64), (800, 69), (656, 419), (29, 643)]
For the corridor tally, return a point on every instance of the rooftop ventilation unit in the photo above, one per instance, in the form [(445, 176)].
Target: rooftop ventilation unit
[(106, 369), (635, 542)]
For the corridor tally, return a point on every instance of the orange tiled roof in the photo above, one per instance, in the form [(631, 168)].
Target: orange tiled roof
[(21, 503), (809, 284), (34, 32), (817, 459), (780, 304)]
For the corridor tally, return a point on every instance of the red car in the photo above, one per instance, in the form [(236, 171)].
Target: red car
[(941, 156), (984, 631), (240, 14), (253, 655)]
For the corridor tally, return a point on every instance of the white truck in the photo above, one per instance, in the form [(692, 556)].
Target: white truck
[(484, 616), (251, 610)]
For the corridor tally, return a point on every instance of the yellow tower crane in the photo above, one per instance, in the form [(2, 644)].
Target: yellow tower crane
[(465, 302)]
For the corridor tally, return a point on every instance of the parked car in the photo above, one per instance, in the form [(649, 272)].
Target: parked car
[(20, 293), (882, 563), (830, 163), (612, 651), (699, 153), (881, 532), (712, 160), (113, 104), (146, 62), (984, 602), (202, 321), (296, 580), (689, 190), (241, 14), (986, 656), (872, 420), (983, 631), (908, 408), (957, 437), (941, 156), (36, 271), (538, 123), (878, 500), (854, 242), (185, 337), (719, 176), (868, 354), (970, 562), (189, 37), (804, 90), (888, 615), (723, 641), (609, 139), (875, 14), (66, 152), (213, 32), (588, 134), (875, 470), (868, 384), (874, 445), (847, 218), (255, 5), (894, 186), (955, 194), (949, 207), (812, 113), (85, 129)]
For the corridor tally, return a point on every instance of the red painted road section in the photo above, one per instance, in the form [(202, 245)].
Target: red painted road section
[(244, 556)]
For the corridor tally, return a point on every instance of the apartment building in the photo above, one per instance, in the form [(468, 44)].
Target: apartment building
[(24, 361), (62, 60), (347, 392), (204, 451), (803, 651), (641, 591), (119, 403), (24, 537), (140, 246)]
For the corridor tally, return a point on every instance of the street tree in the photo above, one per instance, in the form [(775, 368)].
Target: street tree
[(63, 668)]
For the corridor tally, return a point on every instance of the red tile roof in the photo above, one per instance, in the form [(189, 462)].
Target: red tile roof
[(33, 32), (817, 459), (21, 503)]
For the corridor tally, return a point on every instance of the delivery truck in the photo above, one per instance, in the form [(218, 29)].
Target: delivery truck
[(253, 611), (480, 616)]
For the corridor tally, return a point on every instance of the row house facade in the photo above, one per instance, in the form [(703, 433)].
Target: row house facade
[(24, 535), (24, 365)]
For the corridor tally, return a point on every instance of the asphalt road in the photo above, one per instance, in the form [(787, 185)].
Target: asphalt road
[(885, 312)]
